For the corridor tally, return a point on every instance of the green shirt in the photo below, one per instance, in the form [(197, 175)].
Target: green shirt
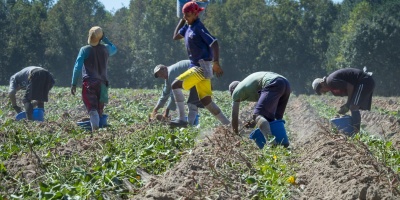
[(248, 88)]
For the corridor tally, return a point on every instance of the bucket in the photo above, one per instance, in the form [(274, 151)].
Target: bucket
[(38, 115), (343, 124), (196, 120), (103, 121), (86, 124), (278, 130), (258, 137)]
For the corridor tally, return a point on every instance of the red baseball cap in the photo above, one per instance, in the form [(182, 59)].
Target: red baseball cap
[(192, 7)]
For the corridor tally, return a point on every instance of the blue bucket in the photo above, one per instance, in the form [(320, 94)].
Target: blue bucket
[(86, 124), (196, 120), (103, 121), (38, 115), (258, 137), (277, 130), (343, 124)]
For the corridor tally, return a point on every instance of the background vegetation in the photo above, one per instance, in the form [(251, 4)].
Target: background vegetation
[(301, 39)]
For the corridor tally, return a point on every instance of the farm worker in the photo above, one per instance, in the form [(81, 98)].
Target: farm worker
[(181, 3), (203, 51), (169, 73), (270, 90), (358, 85), (37, 82), (92, 63)]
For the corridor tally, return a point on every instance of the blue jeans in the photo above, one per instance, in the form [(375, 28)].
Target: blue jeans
[(180, 3)]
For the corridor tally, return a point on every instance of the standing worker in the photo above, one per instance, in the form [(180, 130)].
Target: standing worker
[(37, 82), (271, 91), (92, 63), (203, 51), (358, 85), (169, 74)]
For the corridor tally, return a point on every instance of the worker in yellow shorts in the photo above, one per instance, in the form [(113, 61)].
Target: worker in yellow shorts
[(203, 50)]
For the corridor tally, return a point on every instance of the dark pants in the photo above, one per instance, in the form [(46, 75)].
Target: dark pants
[(362, 94), (40, 82), (362, 98), (273, 99), (91, 95)]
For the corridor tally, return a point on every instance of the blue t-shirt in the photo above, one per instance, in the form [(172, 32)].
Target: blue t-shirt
[(198, 42)]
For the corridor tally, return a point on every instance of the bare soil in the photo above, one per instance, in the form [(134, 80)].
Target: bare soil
[(328, 165)]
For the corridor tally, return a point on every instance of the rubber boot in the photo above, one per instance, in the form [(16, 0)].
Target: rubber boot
[(356, 120), (264, 127), (94, 119)]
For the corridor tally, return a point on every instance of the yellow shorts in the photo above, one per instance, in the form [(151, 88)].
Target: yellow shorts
[(194, 77)]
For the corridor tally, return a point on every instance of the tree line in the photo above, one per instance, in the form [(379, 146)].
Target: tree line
[(300, 39)]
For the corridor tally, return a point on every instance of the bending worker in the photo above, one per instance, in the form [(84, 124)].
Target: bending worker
[(271, 91), (358, 85), (169, 73)]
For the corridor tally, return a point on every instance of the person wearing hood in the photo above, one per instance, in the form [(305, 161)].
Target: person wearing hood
[(92, 64), (271, 91), (358, 85)]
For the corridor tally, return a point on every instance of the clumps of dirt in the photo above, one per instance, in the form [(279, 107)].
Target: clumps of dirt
[(331, 167), (207, 172)]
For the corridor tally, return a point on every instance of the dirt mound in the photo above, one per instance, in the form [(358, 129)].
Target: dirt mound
[(204, 173), (331, 167)]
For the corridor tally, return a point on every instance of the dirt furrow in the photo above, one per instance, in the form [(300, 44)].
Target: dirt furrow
[(331, 167)]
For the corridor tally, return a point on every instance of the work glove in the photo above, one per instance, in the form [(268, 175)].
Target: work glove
[(250, 124), (343, 109), (17, 109)]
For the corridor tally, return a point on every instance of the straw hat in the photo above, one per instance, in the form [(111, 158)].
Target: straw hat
[(95, 35)]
